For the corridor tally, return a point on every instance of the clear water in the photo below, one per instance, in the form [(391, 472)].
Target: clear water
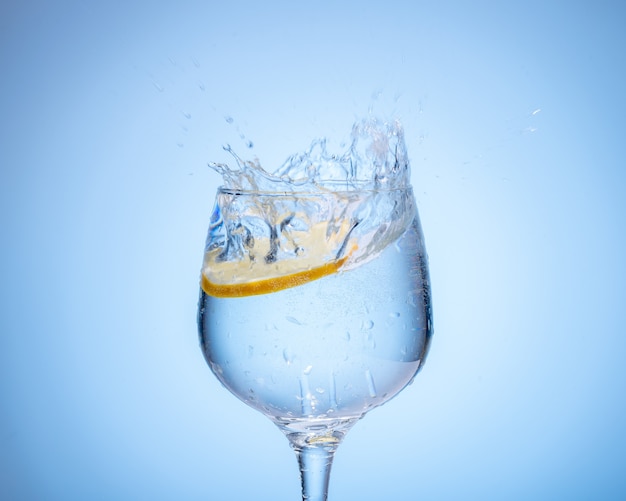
[(316, 357), (326, 352)]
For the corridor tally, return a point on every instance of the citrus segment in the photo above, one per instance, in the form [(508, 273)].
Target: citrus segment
[(300, 257), (268, 285)]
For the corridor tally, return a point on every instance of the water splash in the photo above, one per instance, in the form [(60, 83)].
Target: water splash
[(376, 159), (360, 199)]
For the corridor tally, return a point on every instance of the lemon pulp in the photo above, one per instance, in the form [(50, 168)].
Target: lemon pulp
[(252, 275), (268, 285)]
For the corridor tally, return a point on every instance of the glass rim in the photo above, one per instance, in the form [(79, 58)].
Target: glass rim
[(324, 188)]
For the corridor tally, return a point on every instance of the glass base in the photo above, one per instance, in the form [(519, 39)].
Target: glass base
[(315, 432)]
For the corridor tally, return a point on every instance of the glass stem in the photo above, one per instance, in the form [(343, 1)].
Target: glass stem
[(315, 462)]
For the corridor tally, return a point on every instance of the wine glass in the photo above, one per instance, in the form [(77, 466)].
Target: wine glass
[(315, 308)]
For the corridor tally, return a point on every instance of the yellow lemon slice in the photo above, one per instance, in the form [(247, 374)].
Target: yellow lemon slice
[(252, 275)]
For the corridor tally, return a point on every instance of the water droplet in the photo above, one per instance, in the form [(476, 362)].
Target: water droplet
[(371, 387), (293, 320), (186, 114), (288, 355), (307, 401), (229, 119), (367, 325), (249, 144), (332, 394), (307, 370)]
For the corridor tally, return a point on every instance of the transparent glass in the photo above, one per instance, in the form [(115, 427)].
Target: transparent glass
[(315, 357)]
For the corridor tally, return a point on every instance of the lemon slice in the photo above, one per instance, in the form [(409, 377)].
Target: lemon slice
[(252, 275)]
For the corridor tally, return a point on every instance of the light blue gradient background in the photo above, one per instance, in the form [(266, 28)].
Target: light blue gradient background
[(515, 120)]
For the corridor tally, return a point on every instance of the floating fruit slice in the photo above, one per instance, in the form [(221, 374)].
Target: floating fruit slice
[(314, 257)]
